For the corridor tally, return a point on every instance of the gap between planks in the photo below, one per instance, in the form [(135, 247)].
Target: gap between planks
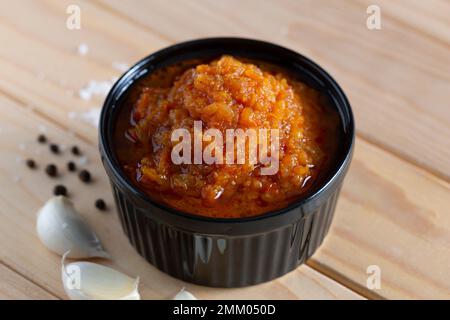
[(344, 281)]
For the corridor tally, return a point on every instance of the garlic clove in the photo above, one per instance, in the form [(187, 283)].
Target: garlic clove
[(91, 281), (61, 228), (184, 295)]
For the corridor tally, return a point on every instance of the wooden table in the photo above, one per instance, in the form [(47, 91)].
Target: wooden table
[(394, 211)]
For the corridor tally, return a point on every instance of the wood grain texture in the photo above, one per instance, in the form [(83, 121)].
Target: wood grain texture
[(393, 215), (397, 78), (394, 207), (24, 191)]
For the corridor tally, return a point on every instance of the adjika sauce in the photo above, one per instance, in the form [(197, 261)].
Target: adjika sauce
[(227, 93)]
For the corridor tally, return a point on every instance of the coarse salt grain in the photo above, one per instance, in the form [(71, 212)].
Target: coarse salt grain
[(42, 128), (83, 49), (122, 67), (91, 116), (96, 88), (83, 160)]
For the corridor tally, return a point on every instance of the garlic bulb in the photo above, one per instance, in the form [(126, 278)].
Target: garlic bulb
[(91, 281), (61, 228), (184, 295)]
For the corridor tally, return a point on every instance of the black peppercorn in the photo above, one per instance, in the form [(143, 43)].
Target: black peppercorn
[(100, 204), (71, 166), (42, 138), (31, 164), (54, 148), (51, 170), (76, 151), (85, 176), (60, 190)]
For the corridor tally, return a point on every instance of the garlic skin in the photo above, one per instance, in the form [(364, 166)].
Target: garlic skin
[(91, 281), (184, 295), (61, 228)]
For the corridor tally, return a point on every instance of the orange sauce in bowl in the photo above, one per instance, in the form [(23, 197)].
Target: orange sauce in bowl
[(223, 94)]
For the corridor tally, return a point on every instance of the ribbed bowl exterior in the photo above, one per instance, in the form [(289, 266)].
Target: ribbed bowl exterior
[(224, 261)]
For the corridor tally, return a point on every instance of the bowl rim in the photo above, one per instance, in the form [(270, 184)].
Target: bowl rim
[(120, 176)]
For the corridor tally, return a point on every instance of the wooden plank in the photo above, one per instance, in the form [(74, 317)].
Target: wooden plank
[(15, 287), (393, 215), (24, 191), (378, 238), (396, 78)]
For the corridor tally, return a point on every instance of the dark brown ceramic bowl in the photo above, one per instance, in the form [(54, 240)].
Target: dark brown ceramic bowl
[(227, 252)]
